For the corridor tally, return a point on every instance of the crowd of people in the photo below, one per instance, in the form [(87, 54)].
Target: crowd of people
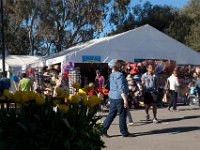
[(42, 83), (127, 86), (121, 92)]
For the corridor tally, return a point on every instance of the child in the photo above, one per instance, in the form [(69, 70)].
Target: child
[(192, 88)]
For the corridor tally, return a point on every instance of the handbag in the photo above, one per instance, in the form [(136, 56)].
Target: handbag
[(167, 85)]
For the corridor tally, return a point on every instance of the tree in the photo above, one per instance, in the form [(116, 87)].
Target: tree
[(180, 27), (19, 23), (157, 16), (192, 10), (56, 24), (77, 21)]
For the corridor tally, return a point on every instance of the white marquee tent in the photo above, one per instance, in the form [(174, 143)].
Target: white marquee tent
[(144, 42), (18, 61)]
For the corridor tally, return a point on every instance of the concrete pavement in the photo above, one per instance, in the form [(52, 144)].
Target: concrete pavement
[(175, 131)]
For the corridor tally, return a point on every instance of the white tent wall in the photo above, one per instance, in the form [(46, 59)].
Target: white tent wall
[(19, 60), (144, 42), (39, 63), (13, 62), (6, 66)]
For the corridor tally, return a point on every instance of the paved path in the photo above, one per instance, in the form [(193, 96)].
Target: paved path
[(176, 131)]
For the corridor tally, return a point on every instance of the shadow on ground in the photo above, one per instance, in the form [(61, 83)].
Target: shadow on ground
[(179, 118), (175, 130)]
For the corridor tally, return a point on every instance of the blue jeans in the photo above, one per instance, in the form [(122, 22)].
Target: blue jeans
[(117, 105)]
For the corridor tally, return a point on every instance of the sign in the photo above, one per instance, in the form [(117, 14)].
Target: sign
[(91, 58)]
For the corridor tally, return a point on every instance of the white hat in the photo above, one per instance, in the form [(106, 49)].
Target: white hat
[(111, 64)]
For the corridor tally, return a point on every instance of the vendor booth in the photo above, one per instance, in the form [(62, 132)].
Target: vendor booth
[(14, 64), (13, 61), (142, 43)]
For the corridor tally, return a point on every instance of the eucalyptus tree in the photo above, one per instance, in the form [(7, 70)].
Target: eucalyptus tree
[(192, 10), (38, 27), (66, 23), (157, 16)]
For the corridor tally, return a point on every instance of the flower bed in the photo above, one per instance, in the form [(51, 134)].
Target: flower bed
[(37, 125)]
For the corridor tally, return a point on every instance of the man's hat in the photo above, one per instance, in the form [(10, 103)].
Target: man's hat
[(111, 64)]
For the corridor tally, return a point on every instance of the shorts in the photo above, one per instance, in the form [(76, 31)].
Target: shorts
[(148, 98)]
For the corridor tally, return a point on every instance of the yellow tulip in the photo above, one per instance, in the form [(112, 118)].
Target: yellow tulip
[(93, 101), (76, 85), (58, 90), (24, 97), (74, 98), (17, 96), (7, 94), (81, 92), (64, 108), (62, 95), (84, 100), (39, 100), (31, 95)]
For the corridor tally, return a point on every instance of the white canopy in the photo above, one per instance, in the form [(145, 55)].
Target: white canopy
[(144, 42), (18, 61)]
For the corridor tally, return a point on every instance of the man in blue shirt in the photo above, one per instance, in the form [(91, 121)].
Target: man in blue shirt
[(5, 83), (118, 97)]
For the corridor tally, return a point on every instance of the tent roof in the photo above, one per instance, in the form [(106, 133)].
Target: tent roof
[(19, 60), (144, 42)]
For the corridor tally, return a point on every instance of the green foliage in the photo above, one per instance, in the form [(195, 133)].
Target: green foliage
[(39, 127), (157, 16), (193, 39), (180, 27), (55, 24), (192, 10)]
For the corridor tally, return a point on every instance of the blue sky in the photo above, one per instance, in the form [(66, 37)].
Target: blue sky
[(175, 3)]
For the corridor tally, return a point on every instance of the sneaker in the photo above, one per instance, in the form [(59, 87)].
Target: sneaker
[(147, 118), (155, 120), (130, 123)]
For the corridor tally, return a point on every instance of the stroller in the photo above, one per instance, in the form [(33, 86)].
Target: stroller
[(193, 97), (135, 93)]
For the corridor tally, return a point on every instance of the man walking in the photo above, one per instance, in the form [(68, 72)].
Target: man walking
[(149, 85)]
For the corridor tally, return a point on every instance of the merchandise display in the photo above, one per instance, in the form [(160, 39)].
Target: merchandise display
[(74, 76)]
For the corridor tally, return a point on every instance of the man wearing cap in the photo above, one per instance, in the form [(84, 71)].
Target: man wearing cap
[(118, 97)]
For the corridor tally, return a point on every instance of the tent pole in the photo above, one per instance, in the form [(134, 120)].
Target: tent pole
[(2, 34)]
